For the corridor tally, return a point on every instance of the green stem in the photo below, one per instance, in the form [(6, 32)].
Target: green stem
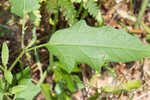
[(51, 61), (141, 13), (131, 7), (23, 27), (36, 47), (23, 32), (38, 62), (43, 77), (24, 51), (15, 62), (44, 74), (80, 9)]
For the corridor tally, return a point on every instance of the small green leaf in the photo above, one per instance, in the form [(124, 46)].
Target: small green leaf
[(5, 54), (95, 46), (8, 76), (132, 84)]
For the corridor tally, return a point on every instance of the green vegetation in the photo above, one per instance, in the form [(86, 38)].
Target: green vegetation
[(78, 44)]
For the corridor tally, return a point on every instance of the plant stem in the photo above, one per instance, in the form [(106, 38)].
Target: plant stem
[(38, 62), (44, 74), (17, 59), (141, 13), (131, 7), (43, 77), (24, 51), (80, 9), (51, 60), (23, 32), (36, 47)]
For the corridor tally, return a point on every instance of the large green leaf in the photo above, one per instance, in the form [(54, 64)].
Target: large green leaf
[(22, 7), (95, 46)]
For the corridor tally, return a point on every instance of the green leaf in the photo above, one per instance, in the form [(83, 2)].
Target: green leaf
[(35, 17), (17, 89), (79, 84), (94, 10), (69, 82), (25, 74), (95, 46), (23, 7), (132, 84), (52, 6), (46, 90), (28, 92), (2, 84), (8, 76), (5, 54)]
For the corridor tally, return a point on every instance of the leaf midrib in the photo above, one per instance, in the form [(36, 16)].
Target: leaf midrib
[(98, 46)]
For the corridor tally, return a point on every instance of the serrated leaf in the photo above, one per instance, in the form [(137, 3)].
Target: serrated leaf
[(23, 7), (5, 54), (8, 76), (95, 46), (94, 10), (68, 10), (35, 17)]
